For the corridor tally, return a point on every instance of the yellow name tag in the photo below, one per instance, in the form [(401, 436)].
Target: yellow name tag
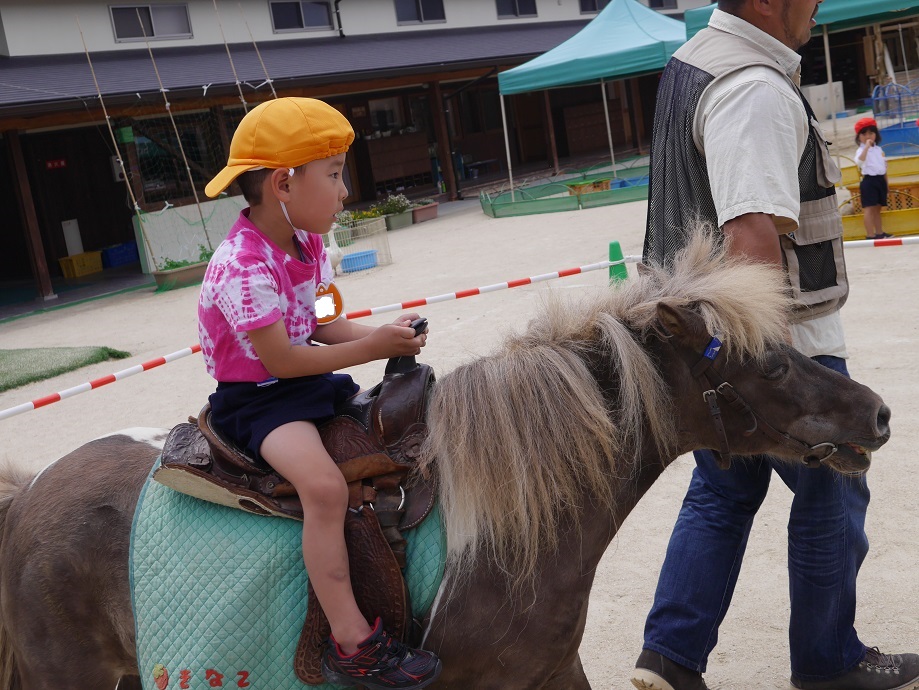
[(329, 304)]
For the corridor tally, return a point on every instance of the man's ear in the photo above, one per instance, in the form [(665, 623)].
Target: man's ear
[(765, 8), (278, 184)]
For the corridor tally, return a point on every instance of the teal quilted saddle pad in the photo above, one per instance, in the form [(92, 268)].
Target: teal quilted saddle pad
[(219, 594)]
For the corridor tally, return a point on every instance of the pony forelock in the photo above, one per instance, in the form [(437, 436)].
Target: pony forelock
[(521, 439)]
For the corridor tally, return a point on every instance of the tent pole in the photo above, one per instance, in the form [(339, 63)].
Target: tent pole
[(609, 131), (507, 147), (829, 79)]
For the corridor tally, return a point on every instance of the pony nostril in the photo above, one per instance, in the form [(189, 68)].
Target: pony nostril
[(883, 421)]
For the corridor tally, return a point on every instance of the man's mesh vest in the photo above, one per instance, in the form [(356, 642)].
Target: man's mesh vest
[(680, 194)]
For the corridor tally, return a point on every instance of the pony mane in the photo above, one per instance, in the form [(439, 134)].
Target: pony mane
[(523, 439)]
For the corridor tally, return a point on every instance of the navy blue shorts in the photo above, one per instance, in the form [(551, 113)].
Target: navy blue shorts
[(873, 189), (247, 412)]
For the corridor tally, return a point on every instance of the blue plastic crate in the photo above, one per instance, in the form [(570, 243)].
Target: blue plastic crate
[(120, 255), (359, 261)]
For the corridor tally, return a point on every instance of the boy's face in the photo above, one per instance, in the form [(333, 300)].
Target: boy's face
[(317, 191)]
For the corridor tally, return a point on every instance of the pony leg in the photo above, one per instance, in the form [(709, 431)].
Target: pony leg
[(571, 678)]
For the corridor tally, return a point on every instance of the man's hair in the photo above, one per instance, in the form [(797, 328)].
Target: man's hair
[(731, 6), (250, 182)]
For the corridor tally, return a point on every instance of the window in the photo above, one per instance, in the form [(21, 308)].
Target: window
[(662, 4), (516, 8), (591, 6), (412, 11), (136, 22), (295, 16)]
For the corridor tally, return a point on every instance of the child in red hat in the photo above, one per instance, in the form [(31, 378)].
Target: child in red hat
[(871, 161)]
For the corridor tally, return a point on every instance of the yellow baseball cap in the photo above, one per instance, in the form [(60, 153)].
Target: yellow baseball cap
[(283, 133)]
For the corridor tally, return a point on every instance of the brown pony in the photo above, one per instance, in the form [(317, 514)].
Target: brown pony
[(541, 451)]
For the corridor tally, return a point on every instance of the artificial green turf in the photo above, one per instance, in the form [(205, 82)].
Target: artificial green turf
[(20, 367)]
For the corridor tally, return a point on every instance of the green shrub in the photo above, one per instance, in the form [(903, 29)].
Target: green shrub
[(204, 255), (394, 203)]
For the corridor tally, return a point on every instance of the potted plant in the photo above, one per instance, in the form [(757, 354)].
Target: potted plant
[(175, 274), (362, 222), (397, 210), (424, 209)]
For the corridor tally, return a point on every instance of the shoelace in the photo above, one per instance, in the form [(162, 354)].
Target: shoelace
[(394, 652), (874, 657)]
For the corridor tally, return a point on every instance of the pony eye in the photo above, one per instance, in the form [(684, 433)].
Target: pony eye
[(776, 371)]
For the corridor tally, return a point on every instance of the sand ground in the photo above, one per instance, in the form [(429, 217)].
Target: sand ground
[(463, 249)]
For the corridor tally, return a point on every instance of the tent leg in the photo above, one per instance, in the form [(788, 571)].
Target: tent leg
[(507, 148), (609, 131)]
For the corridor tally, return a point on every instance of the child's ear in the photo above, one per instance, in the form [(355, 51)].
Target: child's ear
[(278, 184)]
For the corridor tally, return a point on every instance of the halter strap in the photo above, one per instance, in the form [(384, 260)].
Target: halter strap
[(812, 456)]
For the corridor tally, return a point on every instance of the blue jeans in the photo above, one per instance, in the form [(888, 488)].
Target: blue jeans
[(826, 547)]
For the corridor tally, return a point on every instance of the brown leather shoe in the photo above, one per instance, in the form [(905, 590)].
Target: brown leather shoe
[(654, 671), (876, 671)]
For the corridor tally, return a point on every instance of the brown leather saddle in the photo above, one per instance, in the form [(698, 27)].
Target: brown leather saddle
[(375, 439)]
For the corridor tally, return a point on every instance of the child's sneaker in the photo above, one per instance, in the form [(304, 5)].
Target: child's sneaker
[(380, 662)]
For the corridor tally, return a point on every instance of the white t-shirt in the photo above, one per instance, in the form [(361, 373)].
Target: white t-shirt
[(874, 162), (752, 128)]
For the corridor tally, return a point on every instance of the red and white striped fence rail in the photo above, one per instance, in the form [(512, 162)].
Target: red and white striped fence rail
[(146, 366), (886, 242)]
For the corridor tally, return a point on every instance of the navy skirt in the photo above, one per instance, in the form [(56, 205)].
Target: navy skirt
[(247, 412), (873, 189)]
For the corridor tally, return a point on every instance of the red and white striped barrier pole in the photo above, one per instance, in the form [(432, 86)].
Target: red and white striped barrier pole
[(885, 242), (97, 383), (91, 385), (446, 297)]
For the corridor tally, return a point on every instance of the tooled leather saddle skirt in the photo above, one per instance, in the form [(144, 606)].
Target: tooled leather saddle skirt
[(375, 439)]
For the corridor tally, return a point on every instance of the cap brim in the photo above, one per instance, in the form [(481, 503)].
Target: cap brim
[(225, 178)]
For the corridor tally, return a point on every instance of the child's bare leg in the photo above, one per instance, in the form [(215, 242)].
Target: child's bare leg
[(296, 452), (878, 223), (871, 228)]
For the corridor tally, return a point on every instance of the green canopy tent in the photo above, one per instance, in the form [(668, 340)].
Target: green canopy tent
[(626, 39), (833, 15)]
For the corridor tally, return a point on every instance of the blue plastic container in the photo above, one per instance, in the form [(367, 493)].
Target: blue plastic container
[(120, 255), (359, 261)]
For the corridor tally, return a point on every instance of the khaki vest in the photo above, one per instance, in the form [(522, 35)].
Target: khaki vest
[(680, 194)]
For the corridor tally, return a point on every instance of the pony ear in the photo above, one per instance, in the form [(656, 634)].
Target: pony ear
[(681, 323), (643, 269)]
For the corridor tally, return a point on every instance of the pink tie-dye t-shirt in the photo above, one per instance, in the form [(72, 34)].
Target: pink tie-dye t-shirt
[(251, 283)]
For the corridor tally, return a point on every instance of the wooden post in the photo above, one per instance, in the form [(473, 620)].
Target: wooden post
[(550, 128), (444, 155), (27, 208)]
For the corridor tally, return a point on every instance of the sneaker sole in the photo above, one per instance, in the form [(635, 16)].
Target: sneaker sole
[(349, 681), (909, 685), (643, 679)]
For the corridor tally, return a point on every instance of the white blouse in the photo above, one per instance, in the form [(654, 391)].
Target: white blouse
[(874, 162)]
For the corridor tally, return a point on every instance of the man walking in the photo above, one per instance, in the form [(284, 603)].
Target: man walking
[(736, 145)]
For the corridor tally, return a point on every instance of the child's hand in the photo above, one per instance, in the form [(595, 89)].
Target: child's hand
[(394, 340), (406, 320)]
